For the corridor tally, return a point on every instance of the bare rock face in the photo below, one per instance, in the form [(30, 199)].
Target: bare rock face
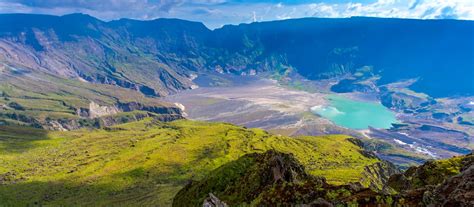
[(55, 125), (437, 183), (457, 190), (213, 201), (90, 50), (132, 106), (243, 180), (377, 174), (96, 110), (283, 167), (4, 107)]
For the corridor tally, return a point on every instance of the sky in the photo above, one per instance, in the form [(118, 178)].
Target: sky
[(216, 13)]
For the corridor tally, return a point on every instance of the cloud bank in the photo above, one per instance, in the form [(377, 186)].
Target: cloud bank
[(216, 13)]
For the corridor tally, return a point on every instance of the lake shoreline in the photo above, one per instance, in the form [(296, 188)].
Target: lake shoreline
[(355, 114)]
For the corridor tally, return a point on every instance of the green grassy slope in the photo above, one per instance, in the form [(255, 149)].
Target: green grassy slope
[(147, 162)]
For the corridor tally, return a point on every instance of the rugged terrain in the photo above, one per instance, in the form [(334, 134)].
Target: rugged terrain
[(46, 101), (148, 162), (281, 108), (68, 57), (274, 178), (162, 56), (92, 112)]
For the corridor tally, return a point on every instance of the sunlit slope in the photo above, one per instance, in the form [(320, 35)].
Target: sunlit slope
[(147, 162)]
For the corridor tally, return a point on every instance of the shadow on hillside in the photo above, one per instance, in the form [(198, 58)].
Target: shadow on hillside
[(63, 192), (41, 193), (17, 139)]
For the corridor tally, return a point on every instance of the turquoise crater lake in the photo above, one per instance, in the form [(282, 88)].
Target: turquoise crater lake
[(355, 114)]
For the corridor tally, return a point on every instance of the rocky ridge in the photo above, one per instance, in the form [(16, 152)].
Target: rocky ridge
[(163, 56), (274, 178)]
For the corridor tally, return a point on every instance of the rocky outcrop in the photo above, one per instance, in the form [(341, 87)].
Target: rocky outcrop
[(21, 118), (134, 106), (96, 110), (96, 116), (243, 180), (430, 173), (280, 167), (273, 179), (376, 175), (348, 85), (403, 101), (437, 183), (213, 201), (278, 179), (455, 191), (106, 120)]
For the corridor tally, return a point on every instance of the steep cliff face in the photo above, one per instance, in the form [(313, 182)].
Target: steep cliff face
[(244, 180), (105, 120), (456, 190), (378, 174), (319, 48), (96, 110), (437, 183), (50, 102), (117, 53), (161, 56)]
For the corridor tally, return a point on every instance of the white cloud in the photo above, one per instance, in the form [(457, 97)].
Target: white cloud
[(418, 9), (215, 13)]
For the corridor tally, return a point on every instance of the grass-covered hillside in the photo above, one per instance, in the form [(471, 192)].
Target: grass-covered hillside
[(148, 162)]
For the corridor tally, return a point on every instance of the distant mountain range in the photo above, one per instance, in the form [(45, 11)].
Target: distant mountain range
[(162, 56)]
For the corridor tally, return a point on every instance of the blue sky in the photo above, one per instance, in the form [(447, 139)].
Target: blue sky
[(215, 13)]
